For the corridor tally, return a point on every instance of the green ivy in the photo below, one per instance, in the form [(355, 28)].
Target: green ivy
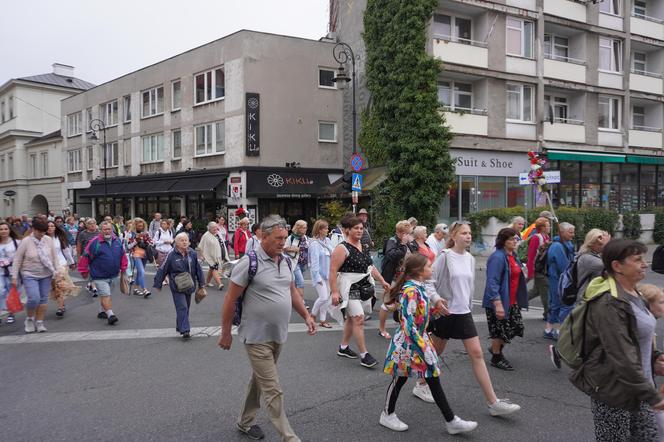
[(333, 210), (631, 225), (403, 128), (658, 233)]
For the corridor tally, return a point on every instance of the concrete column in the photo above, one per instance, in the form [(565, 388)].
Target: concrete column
[(627, 69), (540, 112)]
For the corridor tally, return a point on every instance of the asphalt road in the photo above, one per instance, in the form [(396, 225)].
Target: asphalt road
[(85, 380)]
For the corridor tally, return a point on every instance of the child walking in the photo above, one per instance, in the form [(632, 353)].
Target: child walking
[(411, 352)]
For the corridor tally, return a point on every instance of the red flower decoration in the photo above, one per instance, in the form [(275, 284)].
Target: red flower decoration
[(240, 211)]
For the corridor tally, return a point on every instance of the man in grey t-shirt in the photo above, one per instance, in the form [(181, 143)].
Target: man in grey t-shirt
[(266, 311)]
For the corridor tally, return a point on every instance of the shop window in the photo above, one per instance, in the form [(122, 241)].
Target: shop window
[(569, 183), (611, 186), (629, 188), (590, 185), (648, 196), (516, 193), (491, 192), (660, 184)]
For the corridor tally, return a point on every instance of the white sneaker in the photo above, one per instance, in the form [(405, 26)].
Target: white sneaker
[(423, 392), (30, 325), (392, 422), (458, 425), (503, 407), (40, 327)]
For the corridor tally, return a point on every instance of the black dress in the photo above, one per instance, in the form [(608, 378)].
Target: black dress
[(356, 262)]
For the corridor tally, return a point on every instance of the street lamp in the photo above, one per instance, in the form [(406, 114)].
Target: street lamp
[(95, 126), (343, 54)]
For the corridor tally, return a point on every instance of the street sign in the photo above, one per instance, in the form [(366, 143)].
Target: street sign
[(552, 177), (356, 162), (356, 184)]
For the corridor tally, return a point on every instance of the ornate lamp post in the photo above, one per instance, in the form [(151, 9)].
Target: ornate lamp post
[(95, 126), (343, 54)]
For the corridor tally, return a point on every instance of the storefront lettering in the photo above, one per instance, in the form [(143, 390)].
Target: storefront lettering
[(253, 147), (493, 163)]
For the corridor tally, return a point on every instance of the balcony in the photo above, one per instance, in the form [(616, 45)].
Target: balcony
[(564, 68), (648, 82), (467, 121), (568, 130), (566, 9), (608, 137), (643, 136), (611, 21), (647, 26), (611, 79), (461, 51)]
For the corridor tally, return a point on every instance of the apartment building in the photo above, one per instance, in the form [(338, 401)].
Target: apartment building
[(248, 120), (30, 142), (579, 80)]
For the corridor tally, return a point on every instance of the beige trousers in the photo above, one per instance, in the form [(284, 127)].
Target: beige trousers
[(265, 382)]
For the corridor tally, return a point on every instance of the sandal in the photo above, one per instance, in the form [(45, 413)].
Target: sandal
[(384, 334), (325, 325), (503, 364)]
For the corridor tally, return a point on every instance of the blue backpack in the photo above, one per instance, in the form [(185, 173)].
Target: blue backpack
[(253, 268)]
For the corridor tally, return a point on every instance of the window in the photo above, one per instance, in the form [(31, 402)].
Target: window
[(209, 86), (126, 152), (610, 6), (33, 165), (176, 140), (639, 62), (519, 102), (88, 119), (556, 108), (126, 108), (10, 104), (111, 155), (639, 8), (153, 148), (210, 138), (638, 117), (519, 37), (327, 132), (556, 48), (10, 167), (453, 28), (326, 78), (90, 157), (74, 124), (609, 113), (43, 160), (74, 160), (108, 113), (176, 95), (610, 54), (153, 102), (2, 111), (455, 95)]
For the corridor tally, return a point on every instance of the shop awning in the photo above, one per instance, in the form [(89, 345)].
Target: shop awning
[(644, 160), (153, 186), (200, 184), (565, 155)]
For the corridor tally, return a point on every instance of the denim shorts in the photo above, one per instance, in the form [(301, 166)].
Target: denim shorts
[(299, 277), (104, 286)]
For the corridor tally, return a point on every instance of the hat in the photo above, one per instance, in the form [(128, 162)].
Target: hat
[(546, 214), (363, 211)]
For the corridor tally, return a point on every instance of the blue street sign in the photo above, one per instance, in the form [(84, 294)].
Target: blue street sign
[(356, 162), (356, 183)]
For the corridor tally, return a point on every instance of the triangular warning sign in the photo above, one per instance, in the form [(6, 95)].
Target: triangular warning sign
[(357, 182)]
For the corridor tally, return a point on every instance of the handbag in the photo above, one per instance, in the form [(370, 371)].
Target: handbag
[(124, 284), (362, 289), (14, 300), (201, 293), (184, 283)]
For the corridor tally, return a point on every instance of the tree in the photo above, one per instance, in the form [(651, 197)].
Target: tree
[(404, 128)]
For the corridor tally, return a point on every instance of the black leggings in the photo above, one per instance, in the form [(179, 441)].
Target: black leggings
[(436, 391)]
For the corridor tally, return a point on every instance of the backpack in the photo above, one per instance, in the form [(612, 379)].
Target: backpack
[(569, 284), (251, 272), (571, 345), (542, 258), (658, 260)]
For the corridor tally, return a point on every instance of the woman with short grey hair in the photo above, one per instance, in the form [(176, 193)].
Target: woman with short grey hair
[(211, 252)]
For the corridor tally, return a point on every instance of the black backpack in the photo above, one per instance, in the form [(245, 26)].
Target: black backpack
[(658, 260), (542, 258)]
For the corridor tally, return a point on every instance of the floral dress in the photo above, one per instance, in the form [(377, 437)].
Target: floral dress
[(411, 353)]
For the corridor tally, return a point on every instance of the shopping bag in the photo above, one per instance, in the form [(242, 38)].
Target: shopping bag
[(124, 284), (14, 300)]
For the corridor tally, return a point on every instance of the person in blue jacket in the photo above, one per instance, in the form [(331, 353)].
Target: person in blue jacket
[(181, 259), (504, 296), (559, 255)]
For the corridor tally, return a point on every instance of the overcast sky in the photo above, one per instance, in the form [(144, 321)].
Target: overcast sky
[(106, 39)]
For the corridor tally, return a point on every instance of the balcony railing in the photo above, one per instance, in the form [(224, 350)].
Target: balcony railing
[(646, 128), (646, 73), (565, 59), (464, 110), (645, 17), (465, 41), (568, 121)]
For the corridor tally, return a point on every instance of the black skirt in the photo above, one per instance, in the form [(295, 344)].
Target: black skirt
[(505, 329), (453, 327)]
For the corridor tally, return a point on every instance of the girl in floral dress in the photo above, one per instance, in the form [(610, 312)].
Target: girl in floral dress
[(411, 353)]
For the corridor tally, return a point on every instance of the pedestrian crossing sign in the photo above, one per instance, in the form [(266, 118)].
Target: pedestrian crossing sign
[(357, 183)]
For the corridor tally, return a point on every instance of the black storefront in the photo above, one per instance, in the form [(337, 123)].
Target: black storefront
[(199, 194)]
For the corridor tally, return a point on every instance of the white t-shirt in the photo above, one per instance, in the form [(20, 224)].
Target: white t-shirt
[(462, 281), (435, 245), (7, 252)]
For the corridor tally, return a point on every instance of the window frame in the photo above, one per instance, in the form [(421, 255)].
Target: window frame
[(2, 112), (454, 93), (43, 162), (111, 153), (10, 107), (32, 162), (613, 5), (334, 125), (88, 118), (553, 45), (521, 87), (615, 64), (173, 82), (157, 151), (641, 114), (173, 132), (334, 73), (556, 103), (209, 138), (618, 108), (522, 30), (153, 99), (73, 160), (637, 14), (126, 109), (90, 158), (75, 129), (104, 116), (211, 83), (644, 61), (454, 34)]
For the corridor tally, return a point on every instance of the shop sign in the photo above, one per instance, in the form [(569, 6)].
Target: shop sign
[(285, 183), (293, 195), (552, 177), (489, 163), (252, 124)]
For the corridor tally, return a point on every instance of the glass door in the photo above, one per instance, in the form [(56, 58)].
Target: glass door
[(468, 194)]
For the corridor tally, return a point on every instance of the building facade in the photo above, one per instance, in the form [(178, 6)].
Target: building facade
[(579, 80), (30, 146), (251, 120)]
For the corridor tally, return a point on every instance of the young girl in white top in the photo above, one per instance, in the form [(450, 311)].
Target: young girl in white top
[(454, 279)]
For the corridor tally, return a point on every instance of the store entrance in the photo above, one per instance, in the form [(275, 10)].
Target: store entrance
[(289, 209)]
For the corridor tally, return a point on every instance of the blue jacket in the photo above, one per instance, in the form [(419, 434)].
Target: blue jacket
[(105, 258), (177, 263), (498, 282), (558, 258), (319, 262)]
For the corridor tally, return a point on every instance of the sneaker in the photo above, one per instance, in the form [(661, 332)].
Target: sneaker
[(10, 319), (549, 335), (503, 407), (95, 293), (368, 361), (422, 391), (254, 432), (347, 352), (146, 293), (137, 292), (40, 327), (186, 335), (112, 320), (102, 315), (367, 318), (555, 357), (60, 312), (392, 422), (30, 325), (458, 425)]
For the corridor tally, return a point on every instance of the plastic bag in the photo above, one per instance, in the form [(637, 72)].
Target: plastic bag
[(14, 300)]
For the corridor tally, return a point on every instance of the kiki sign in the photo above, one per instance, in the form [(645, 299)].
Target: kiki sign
[(252, 124)]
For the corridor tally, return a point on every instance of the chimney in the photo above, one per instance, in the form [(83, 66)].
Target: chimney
[(63, 69)]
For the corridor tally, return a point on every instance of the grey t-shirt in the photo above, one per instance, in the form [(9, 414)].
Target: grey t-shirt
[(84, 238), (645, 331), (267, 305)]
